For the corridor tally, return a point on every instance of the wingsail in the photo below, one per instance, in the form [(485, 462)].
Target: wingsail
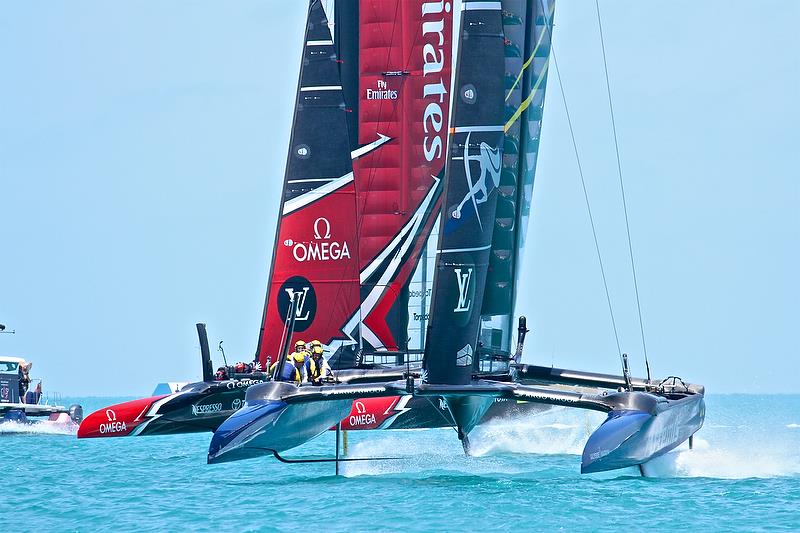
[(316, 250), (527, 26), (470, 199), (363, 179), (404, 65)]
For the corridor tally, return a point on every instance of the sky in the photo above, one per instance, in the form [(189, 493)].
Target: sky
[(142, 149)]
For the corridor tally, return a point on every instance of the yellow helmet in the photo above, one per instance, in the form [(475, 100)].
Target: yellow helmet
[(317, 350), (299, 343), (299, 357), (315, 342)]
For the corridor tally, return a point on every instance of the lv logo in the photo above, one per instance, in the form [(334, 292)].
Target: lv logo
[(463, 290)]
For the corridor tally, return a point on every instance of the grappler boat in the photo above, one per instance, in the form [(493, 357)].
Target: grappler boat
[(357, 252)]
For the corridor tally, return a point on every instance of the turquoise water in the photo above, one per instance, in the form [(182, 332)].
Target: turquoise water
[(744, 474)]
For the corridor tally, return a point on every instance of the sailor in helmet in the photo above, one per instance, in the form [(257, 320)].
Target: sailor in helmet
[(293, 369), (299, 346), (317, 368)]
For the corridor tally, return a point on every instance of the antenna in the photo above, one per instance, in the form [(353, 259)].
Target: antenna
[(221, 349)]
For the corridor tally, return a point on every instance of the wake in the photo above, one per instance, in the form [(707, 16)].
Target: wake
[(558, 431), (722, 452), (40, 428), (732, 460)]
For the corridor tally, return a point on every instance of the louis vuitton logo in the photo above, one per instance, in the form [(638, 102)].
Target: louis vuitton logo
[(463, 279)]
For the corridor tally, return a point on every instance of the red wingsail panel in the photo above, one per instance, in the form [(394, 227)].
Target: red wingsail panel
[(404, 68), (315, 258)]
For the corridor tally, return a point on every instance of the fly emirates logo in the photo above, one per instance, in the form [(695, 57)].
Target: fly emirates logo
[(322, 248), (434, 92)]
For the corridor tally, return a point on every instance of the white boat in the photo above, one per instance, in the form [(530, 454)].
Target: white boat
[(19, 411)]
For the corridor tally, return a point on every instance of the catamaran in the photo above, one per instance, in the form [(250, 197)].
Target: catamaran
[(456, 151)]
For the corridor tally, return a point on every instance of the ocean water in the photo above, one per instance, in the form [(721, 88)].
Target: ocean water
[(743, 475)]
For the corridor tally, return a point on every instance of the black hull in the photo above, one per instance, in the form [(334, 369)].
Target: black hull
[(203, 407)]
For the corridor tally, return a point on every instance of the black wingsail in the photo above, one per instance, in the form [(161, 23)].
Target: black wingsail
[(472, 177), (527, 27)]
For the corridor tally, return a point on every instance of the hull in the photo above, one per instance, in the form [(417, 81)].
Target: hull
[(417, 412), (203, 407), (57, 422), (631, 437), (267, 424), (199, 407)]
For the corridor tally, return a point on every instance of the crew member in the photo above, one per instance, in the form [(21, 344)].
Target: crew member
[(299, 346), (24, 379), (292, 368), (317, 368)]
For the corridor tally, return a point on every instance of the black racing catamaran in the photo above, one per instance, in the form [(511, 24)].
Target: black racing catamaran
[(480, 142)]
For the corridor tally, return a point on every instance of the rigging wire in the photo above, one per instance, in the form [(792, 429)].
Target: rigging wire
[(450, 424), (583, 185), (622, 187)]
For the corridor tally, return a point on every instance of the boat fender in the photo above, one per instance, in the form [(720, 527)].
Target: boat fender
[(76, 413)]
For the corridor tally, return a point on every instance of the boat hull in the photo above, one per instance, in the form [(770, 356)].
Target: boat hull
[(266, 424), (205, 406), (198, 407), (631, 436)]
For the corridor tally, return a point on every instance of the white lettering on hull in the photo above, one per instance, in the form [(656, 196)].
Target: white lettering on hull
[(113, 427), (362, 420), (206, 409)]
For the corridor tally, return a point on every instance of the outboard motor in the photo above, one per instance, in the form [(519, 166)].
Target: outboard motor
[(76, 413)]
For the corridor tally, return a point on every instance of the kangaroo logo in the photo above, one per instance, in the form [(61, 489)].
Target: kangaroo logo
[(489, 160), (463, 290), (300, 290)]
